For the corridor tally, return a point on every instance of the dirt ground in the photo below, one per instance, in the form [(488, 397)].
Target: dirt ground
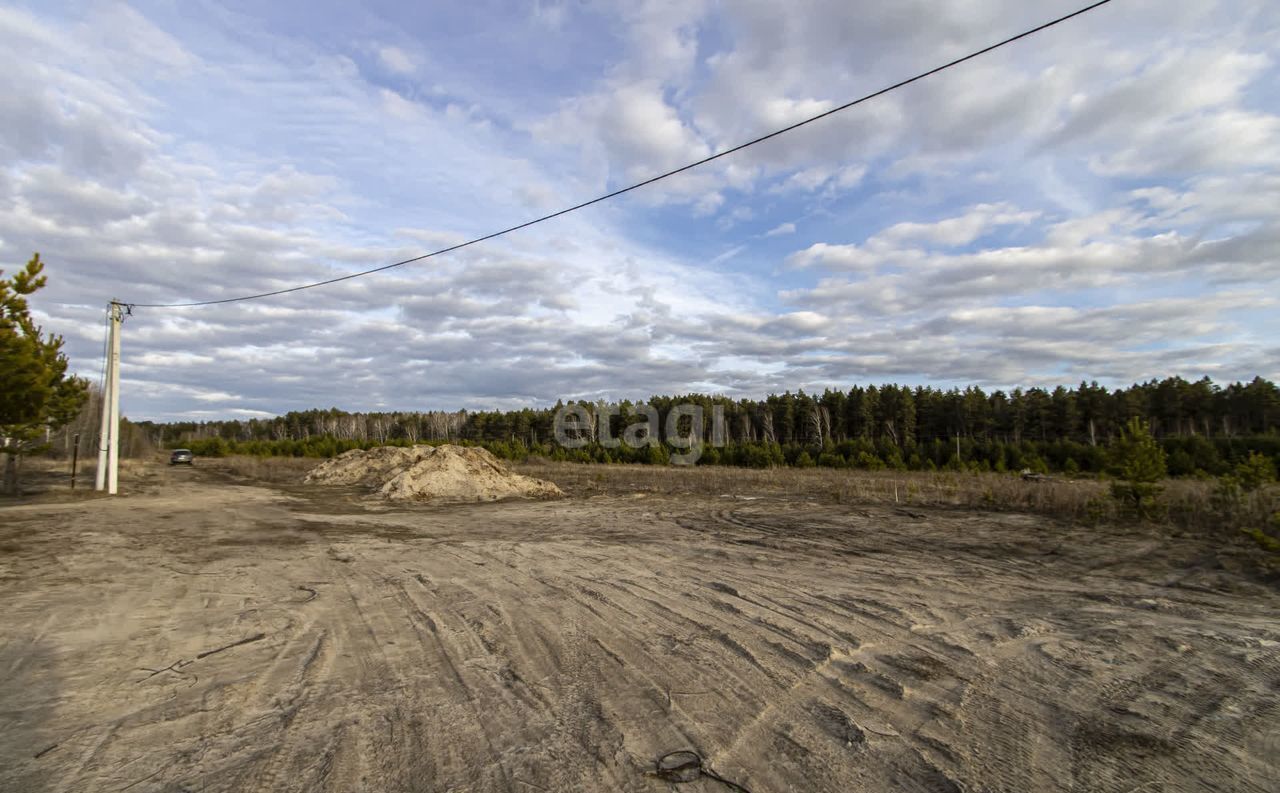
[(206, 634)]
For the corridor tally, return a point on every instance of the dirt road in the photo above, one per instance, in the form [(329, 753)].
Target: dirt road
[(201, 635)]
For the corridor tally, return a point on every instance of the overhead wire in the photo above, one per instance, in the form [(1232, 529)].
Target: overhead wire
[(645, 182)]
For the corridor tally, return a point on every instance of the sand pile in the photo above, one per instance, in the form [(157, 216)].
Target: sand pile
[(431, 473), (371, 468)]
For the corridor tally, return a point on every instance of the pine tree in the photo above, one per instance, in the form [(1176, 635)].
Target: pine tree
[(1138, 462), (1255, 472), (36, 394)]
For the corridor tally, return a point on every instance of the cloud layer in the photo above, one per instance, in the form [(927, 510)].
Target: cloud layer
[(1098, 202)]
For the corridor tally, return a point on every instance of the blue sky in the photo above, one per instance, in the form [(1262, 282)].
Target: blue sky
[(1094, 203)]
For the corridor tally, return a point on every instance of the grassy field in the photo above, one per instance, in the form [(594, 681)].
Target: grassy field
[(1183, 505)]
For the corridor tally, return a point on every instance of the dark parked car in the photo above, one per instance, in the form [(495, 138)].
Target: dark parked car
[(182, 457)]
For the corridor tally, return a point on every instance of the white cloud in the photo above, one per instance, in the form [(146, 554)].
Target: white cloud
[(1098, 205), (634, 129), (833, 178), (396, 60), (962, 230)]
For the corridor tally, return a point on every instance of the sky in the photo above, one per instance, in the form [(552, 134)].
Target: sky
[(1098, 202)]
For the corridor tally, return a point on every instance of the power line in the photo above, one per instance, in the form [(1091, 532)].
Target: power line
[(646, 182)]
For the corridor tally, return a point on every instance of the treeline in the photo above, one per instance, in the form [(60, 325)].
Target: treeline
[(1202, 426), (1191, 456)]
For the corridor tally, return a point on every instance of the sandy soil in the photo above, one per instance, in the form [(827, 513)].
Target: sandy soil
[(204, 635), (426, 473)]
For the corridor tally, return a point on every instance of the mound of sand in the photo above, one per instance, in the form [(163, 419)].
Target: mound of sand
[(431, 473), (370, 469)]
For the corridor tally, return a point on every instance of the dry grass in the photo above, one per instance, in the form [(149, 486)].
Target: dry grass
[(1184, 503), (826, 484), (277, 470), (1072, 499), (45, 478)]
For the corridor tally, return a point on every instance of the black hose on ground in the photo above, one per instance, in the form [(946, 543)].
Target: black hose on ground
[(687, 766)]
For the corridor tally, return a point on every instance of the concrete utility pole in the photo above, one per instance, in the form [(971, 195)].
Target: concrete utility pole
[(100, 475), (109, 437)]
